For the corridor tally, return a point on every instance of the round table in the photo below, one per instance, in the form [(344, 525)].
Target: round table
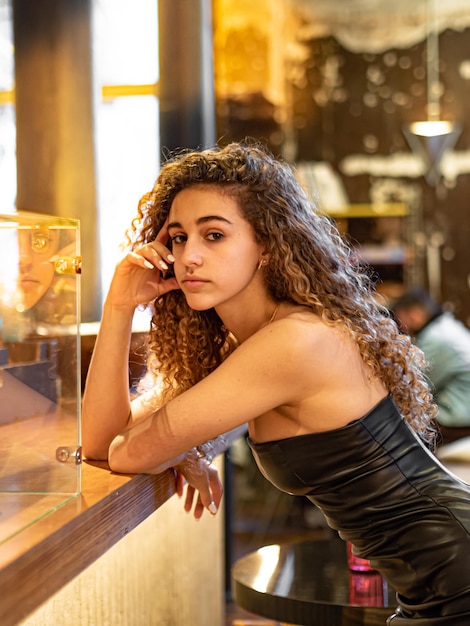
[(309, 583)]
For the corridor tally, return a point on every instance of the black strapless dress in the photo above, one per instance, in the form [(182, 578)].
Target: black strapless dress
[(382, 490)]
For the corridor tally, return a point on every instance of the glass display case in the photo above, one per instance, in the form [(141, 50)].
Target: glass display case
[(39, 367)]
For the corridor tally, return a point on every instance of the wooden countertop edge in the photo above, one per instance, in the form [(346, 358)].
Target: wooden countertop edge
[(37, 562)]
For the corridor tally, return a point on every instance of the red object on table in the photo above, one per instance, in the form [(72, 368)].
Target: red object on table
[(355, 563)]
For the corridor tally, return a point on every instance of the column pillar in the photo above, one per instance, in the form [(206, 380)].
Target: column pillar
[(186, 85), (54, 115)]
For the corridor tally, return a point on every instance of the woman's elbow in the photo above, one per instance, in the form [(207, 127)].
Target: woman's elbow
[(93, 452), (117, 457)]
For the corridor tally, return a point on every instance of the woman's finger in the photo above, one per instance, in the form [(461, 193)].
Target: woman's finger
[(138, 258), (189, 498), (179, 484), (216, 490), (199, 508), (149, 258), (163, 234)]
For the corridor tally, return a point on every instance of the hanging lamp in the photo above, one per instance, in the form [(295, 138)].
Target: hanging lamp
[(431, 137)]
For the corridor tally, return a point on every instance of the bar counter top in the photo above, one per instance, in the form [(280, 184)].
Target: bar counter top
[(41, 558)]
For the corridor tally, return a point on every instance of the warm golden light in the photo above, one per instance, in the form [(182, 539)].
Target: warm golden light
[(431, 128), (269, 556)]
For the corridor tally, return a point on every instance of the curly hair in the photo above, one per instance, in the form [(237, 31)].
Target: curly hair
[(310, 264)]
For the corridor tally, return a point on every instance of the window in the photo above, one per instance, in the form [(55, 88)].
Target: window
[(125, 53), (125, 47), (7, 112)]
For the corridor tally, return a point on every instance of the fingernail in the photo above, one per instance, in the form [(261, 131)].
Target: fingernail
[(171, 258), (148, 264), (162, 264), (212, 508)]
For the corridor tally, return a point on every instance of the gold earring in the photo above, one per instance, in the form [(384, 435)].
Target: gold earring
[(261, 263)]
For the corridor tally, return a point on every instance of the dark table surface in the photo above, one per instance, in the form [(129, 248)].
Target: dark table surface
[(309, 583)]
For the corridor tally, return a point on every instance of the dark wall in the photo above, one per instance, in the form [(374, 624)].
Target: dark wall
[(360, 108)]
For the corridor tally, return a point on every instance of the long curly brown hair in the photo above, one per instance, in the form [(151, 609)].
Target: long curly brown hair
[(310, 264)]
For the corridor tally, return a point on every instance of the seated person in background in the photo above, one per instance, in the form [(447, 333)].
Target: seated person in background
[(445, 342)]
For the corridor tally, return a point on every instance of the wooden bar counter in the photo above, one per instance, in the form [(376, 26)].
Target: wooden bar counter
[(123, 552)]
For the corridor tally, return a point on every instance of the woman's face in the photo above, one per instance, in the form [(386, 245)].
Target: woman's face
[(36, 271), (216, 254)]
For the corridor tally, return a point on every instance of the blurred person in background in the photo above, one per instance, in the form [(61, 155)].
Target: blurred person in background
[(445, 342)]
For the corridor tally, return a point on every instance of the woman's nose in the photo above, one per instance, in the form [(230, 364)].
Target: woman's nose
[(192, 254), (25, 261)]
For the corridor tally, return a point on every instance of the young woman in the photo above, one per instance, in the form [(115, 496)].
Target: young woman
[(261, 316)]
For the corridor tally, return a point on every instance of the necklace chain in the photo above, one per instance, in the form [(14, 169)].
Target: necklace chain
[(273, 316)]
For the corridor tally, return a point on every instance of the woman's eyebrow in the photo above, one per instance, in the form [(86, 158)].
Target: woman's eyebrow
[(202, 220)]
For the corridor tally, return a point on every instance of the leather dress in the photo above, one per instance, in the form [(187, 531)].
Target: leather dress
[(380, 487)]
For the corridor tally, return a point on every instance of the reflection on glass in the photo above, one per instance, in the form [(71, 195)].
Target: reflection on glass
[(355, 563), (46, 281), (269, 559), (367, 588), (39, 367)]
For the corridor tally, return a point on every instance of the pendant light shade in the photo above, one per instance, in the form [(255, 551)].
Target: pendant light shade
[(430, 138)]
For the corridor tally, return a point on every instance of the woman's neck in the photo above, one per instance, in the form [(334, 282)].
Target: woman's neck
[(243, 325)]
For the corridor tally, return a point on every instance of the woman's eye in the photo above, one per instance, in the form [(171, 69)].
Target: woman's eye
[(176, 239), (214, 236), (39, 241)]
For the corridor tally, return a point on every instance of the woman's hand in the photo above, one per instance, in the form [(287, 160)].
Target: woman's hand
[(202, 477), (139, 276)]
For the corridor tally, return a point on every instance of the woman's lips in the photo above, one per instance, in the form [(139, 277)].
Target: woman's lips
[(28, 282), (194, 283)]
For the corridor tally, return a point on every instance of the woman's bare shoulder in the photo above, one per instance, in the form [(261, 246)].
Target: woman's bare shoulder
[(301, 330), (300, 351)]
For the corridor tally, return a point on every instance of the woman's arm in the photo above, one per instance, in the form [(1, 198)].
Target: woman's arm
[(292, 377), (256, 378), (207, 451), (106, 401), (106, 407)]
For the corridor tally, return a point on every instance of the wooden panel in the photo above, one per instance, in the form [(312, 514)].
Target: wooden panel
[(168, 571), (37, 562)]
